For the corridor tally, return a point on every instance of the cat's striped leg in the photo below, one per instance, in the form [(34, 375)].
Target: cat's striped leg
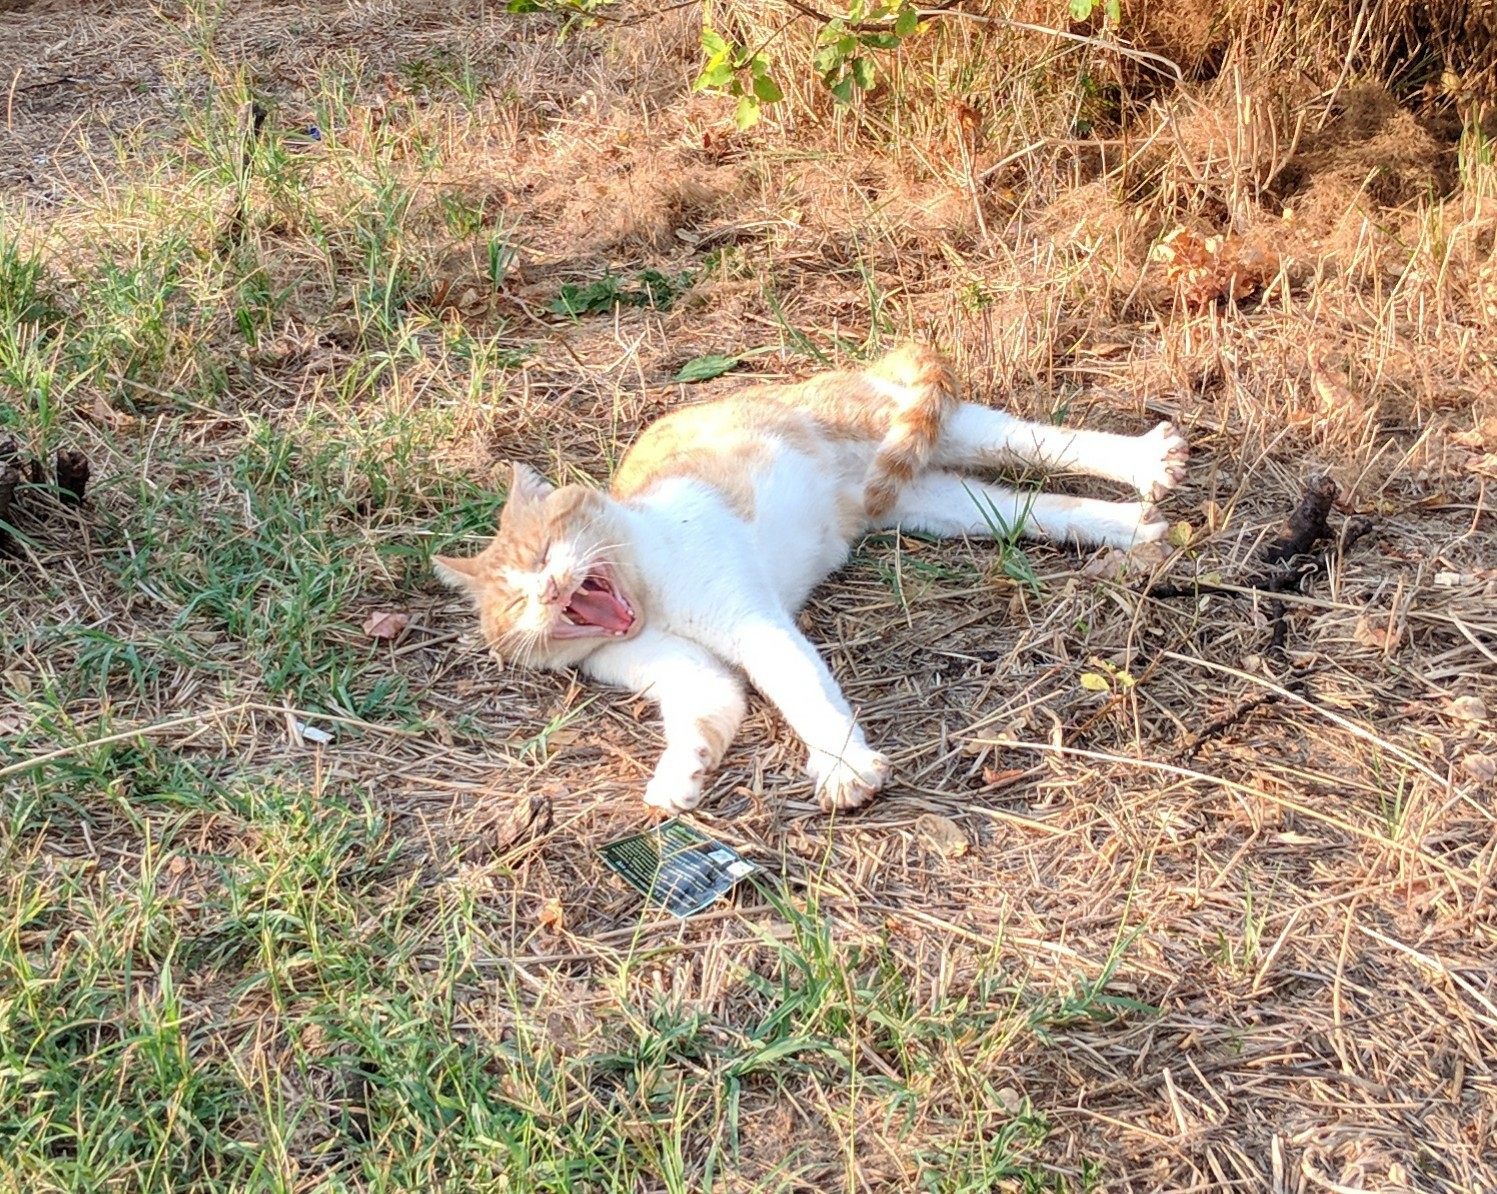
[(975, 436), (950, 505), (701, 703)]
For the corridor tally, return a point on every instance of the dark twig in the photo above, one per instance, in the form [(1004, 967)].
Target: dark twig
[(10, 477), (251, 122), (72, 476), (1222, 724), (1306, 526), (1290, 556), (12, 474)]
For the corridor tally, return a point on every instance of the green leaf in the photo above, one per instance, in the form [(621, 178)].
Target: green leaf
[(826, 62), (842, 89), (1095, 682), (714, 44), (717, 73), (767, 89), (862, 72), (747, 114), (705, 368), (880, 41), (1081, 10), (906, 22), (1114, 10)]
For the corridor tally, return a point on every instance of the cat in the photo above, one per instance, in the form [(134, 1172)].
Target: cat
[(722, 517)]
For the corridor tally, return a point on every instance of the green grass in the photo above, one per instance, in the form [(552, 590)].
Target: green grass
[(284, 1001)]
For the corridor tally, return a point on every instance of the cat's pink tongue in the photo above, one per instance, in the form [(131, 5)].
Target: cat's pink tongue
[(597, 607)]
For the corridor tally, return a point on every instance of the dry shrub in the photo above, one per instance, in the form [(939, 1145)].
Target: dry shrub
[(654, 201), (1414, 42), (1212, 269), (603, 194), (1374, 150), (1109, 235)]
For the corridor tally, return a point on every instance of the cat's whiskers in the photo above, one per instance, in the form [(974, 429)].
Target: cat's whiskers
[(597, 554)]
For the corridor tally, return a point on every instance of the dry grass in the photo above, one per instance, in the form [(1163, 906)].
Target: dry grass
[(1227, 924)]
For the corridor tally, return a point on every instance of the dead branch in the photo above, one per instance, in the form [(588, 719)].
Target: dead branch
[(1291, 556), (72, 476)]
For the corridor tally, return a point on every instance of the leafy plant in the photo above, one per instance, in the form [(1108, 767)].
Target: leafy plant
[(1081, 10), (737, 71), (844, 60), (650, 289)]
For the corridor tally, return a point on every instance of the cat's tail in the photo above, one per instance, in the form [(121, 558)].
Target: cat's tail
[(923, 387)]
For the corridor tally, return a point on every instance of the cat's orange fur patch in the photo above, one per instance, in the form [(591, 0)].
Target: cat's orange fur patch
[(900, 403)]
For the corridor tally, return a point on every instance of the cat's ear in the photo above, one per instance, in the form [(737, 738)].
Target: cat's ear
[(460, 572), (526, 486)]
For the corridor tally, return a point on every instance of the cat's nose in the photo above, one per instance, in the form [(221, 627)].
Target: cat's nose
[(553, 591)]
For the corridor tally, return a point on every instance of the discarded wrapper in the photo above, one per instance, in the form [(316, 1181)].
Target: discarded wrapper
[(312, 734), (677, 867)]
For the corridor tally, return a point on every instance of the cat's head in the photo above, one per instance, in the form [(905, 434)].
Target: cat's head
[(550, 586)]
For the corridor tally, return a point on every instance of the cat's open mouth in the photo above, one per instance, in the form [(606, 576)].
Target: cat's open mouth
[(596, 607)]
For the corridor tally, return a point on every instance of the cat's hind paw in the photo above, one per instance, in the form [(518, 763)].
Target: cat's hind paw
[(1152, 525), (676, 786), (1162, 455), (848, 779), (1122, 524)]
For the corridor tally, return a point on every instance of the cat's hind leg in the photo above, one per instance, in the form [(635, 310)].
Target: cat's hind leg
[(701, 703), (975, 436), (950, 505)]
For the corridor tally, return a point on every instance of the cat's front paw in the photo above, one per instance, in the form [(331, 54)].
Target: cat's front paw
[(1160, 465), (676, 786), (848, 779)]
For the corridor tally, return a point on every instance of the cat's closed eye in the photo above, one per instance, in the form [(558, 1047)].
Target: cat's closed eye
[(543, 555)]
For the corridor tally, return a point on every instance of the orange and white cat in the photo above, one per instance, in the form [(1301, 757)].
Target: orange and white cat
[(686, 576)]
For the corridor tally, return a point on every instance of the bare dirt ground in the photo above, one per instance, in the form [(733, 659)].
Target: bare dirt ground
[(1225, 916)]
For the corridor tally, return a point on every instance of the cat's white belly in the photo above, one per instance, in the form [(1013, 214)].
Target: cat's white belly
[(799, 536), (703, 563)]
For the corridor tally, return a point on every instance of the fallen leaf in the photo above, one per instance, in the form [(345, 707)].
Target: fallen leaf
[(1111, 564), (1481, 768), (705, 368), (941, 835), (1333, 393), (1469, 708), (1012, 1100), (1148, 554), (552, 919), (1095, 682), (1377, 633), (386, 624), (1179, 534)]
